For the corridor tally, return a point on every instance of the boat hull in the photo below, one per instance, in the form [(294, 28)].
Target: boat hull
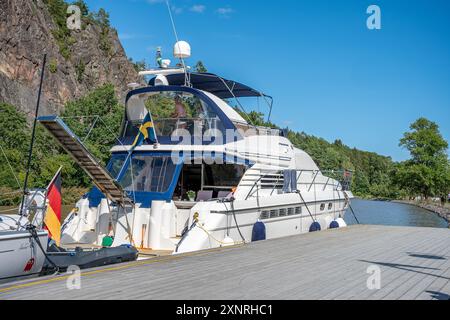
[(20, 255), (217, 227), (169, 225)]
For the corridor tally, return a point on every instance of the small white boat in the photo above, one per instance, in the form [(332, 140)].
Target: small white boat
[(20, 255)]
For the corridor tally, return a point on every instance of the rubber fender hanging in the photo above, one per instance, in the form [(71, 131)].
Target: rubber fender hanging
[(334, 225), (315, 226), (259, 231)]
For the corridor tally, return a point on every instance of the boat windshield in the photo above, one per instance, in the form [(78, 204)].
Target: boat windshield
[(175, 113), (144, 173)]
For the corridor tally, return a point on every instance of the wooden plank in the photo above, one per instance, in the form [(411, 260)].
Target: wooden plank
[(322, 265)]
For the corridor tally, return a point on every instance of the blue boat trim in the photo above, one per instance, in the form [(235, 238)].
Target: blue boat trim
[(145, 199)]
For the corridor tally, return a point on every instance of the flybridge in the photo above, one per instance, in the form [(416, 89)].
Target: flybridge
[(74, 147)]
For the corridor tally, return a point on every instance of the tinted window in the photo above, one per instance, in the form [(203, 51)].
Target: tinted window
[(149, 174), (116, 165), (223, 175)]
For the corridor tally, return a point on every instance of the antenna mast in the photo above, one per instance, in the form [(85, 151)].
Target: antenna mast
[(186, 78)]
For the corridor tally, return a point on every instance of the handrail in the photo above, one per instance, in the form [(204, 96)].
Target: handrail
[(314, 182), (275, 185), (260, 178)]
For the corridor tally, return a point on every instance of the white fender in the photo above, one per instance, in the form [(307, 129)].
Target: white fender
[(341, 222)]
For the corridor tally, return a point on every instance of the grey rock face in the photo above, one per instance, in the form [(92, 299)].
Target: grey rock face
[(26, 33)]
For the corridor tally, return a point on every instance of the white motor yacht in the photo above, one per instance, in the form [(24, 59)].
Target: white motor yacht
[(210, 178)]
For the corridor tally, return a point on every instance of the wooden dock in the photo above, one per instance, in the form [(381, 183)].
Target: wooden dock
[(414, 264)]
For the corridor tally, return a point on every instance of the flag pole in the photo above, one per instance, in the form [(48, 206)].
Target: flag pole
[(137, 143), (33, 136)]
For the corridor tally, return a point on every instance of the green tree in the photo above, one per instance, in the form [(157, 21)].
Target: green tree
[(15, 134), (101, 109), (139, 65), (14, 140), (102, 18), (200, 67), (83, 7), (427, 173), (62, 34)]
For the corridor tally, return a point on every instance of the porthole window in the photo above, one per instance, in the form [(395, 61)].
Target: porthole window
[(322, 207), (330, 206)]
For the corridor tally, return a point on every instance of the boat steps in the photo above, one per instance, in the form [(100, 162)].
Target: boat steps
[(75, 147)]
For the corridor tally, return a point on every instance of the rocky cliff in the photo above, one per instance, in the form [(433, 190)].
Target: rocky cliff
[(77, 61)]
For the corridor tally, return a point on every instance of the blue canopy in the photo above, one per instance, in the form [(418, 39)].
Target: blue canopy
[(214, 84)]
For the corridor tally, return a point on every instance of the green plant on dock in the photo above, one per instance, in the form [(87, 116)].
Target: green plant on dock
[(191, 195)]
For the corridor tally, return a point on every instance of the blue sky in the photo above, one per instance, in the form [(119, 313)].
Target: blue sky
[(329, 74)]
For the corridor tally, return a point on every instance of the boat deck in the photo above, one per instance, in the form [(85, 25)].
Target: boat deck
[(414, 264)]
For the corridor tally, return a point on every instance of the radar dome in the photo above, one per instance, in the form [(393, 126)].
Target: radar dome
[(182, 50)]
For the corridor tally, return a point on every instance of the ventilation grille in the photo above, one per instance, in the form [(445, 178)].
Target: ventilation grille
[(282, 212)]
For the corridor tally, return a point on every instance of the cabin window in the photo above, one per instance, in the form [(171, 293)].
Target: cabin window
[(322, 207), (116, 165), (218, 178), (223, 175), (330, 206), (149, 174)]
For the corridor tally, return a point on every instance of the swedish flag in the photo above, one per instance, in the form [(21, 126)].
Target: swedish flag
[(146, 132)]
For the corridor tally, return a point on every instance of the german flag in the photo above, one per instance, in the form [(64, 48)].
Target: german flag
[(52, 218)]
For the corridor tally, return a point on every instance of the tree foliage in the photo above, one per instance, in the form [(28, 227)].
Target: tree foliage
[(200, 67), (139, 65), (427, 173), (63, 35), (372, 172), (96, 119), (15, 134)]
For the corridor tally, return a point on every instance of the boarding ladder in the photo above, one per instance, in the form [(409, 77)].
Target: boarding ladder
[(74, 147)]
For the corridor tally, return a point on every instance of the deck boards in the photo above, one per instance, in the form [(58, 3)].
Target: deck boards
[(414, 263)]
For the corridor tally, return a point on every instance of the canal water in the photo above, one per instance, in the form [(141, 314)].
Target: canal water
[(371, 212), (393, 214)]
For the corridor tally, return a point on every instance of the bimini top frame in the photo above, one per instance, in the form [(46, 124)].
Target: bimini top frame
[(220, 87)]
